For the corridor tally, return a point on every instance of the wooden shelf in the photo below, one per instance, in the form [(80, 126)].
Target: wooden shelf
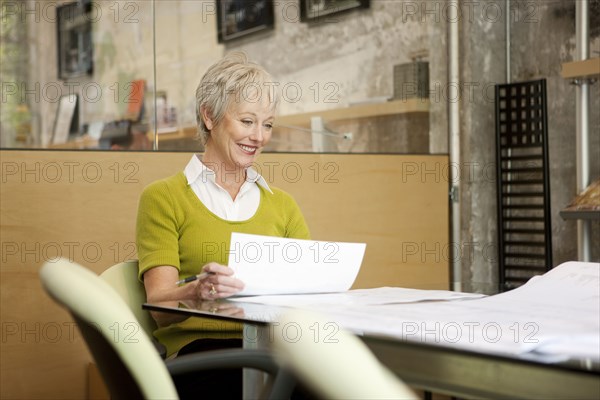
[(585, 205), (83, 142), (583, 214), (581, 69), (360, 111), (175, 134), (395, 107)]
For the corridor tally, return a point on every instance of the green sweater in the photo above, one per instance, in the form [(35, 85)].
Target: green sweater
[(175, 228)]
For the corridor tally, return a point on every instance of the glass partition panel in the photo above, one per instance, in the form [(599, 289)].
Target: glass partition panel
[(77, 74), (352, 75), (186, 46), (109, 74)]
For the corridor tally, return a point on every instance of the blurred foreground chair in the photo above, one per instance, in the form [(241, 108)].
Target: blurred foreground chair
[(337, 367), (126, 358), (123, 277)]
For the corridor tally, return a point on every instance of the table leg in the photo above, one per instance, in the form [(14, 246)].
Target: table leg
[(254, 381)]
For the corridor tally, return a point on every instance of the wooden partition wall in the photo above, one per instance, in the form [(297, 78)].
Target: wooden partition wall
[(82, 205)]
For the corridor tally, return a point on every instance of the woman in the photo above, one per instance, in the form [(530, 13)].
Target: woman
[(184, 218)]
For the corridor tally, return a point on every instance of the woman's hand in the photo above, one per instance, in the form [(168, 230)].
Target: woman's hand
[(161, 287), (219, 284)]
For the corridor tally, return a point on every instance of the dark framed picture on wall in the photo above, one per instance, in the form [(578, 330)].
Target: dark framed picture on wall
[(74, 38), (239, 18), (314, 10)]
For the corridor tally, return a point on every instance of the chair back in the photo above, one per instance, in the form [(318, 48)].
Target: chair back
[(123, 278), (125, 356), (335, 363)]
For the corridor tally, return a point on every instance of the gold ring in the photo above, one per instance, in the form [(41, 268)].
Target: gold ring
[(212, 290)]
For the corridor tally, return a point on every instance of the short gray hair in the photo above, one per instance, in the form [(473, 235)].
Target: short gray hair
[(231, 76)]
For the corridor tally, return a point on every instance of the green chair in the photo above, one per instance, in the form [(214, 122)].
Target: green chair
[(123, 277), (338, 366), (126, 359)]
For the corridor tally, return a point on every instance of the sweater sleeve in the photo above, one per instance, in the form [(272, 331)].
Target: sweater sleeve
[(296, 227), (157, 234)]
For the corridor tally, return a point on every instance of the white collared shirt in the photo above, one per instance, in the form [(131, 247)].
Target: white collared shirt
[(202, 181)]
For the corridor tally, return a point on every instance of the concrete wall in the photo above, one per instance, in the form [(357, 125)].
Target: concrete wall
[(539, 48), (347, 58), (542, 38)]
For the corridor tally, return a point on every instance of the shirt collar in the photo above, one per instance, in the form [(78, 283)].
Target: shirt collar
[(195, 170), (253, 176)]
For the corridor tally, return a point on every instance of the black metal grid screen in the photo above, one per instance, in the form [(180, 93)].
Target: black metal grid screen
[(524, 225)]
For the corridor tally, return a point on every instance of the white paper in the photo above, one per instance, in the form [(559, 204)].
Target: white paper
[(272, 265), (557, 314), (360, 297)]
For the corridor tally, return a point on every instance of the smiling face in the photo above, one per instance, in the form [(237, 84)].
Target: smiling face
[(237, 139)]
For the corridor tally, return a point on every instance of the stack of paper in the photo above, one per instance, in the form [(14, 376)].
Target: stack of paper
[(556, 314)]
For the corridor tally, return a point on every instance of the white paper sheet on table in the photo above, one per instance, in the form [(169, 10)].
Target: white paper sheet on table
[(272, 265), (557, 314), (360, 297)]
